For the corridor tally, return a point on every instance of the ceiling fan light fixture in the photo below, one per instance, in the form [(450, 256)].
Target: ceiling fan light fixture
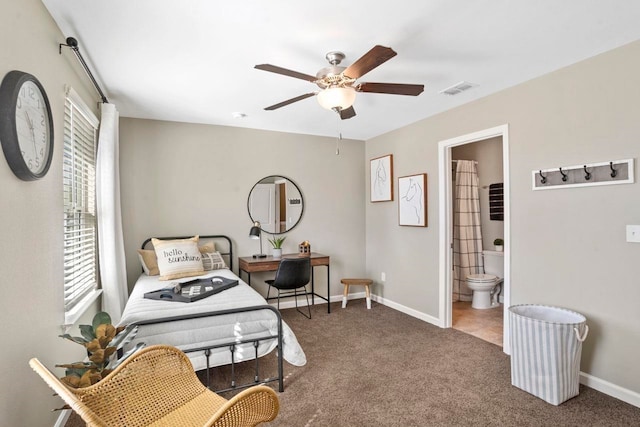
[(339, 98)]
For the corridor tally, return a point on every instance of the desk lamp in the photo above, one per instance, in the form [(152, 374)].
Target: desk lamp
[(256, 233)]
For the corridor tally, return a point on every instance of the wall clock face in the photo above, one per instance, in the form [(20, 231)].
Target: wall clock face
[(26, 126)]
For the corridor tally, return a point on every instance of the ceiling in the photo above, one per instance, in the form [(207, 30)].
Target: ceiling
[(192, 61)]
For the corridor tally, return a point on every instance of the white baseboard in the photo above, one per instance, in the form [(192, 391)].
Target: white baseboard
[(63, 418), (288, 302), (613, 390), (337, 298), (406, 310)]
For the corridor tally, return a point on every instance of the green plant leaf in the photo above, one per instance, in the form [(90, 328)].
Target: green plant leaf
[(277, 242), (82, 366), (101, 319), (87, 332), (78, 340), (75, 372)]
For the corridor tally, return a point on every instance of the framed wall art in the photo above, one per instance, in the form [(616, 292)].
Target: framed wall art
[(412, 200), (381, 169)]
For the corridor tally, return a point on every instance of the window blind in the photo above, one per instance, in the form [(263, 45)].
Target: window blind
[(79, 183)]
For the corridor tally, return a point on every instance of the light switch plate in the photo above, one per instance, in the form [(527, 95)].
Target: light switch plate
[(633, 233)]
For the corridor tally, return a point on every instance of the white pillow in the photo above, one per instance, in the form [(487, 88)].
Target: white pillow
[(149, 260), (213, 261), (178, 258)]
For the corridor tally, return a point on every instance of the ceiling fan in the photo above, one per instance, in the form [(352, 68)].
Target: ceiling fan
[(338, 84)]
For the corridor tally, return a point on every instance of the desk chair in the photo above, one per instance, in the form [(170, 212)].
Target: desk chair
[(157, 386), (292, 274)]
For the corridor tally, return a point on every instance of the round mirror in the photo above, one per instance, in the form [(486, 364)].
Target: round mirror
[(276, 203)]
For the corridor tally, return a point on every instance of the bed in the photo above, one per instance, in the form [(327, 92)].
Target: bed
[(232, 326)]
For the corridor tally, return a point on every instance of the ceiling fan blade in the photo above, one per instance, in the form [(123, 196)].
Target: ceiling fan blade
[(391, 88), (370, 60), (284, 71), (290, 101), (347, 113)]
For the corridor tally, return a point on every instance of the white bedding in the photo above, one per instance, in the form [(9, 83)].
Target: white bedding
[(195, 333)]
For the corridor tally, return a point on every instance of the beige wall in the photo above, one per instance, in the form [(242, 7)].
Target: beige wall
[(180, 178), (488, 154), (31, 226), (568, 246)]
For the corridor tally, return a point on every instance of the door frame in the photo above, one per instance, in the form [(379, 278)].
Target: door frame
[(446, 223)]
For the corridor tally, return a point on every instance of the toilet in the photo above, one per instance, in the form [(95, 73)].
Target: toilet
[(485, 285)]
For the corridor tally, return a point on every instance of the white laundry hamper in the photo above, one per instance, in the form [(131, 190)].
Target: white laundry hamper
[(546, 345)]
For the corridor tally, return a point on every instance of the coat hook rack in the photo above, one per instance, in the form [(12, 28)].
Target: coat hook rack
[(543, 179), (564, 175), (585, 174)]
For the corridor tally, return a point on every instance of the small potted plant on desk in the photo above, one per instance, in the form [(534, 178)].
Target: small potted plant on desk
[(499, 244), (277, 242)]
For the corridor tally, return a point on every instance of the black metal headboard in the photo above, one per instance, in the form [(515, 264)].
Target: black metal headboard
[(215, 238)]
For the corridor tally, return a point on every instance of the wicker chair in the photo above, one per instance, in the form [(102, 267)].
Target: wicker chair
[(157, 387)]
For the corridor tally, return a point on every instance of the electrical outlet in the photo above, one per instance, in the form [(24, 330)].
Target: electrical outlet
[(383, 277), (633, 233)]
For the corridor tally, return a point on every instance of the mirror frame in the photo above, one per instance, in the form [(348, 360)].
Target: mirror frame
[(301, 197)]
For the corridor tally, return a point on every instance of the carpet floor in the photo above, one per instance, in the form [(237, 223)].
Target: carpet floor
[(380, 367)]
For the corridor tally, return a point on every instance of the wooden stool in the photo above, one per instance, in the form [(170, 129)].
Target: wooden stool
[(362, 282)]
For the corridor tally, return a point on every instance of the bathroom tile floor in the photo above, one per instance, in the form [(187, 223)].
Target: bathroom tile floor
[(484, 324)]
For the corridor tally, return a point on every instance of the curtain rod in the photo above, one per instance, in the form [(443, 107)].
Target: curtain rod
[(455, 161), (73, 44)]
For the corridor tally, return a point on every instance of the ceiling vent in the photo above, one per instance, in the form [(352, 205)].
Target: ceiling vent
[(457, 88)]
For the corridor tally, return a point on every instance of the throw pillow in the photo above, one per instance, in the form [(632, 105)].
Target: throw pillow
[(213, 261), (149, 261), (207, 248), (178, 258)]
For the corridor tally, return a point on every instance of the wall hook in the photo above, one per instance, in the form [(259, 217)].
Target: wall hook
[(564, 175), (614, 172), (587, 174), (543, 179)]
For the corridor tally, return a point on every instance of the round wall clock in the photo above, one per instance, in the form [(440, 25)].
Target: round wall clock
[(26, 126)]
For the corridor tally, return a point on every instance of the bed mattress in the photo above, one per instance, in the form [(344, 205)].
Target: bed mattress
[(194, 333)]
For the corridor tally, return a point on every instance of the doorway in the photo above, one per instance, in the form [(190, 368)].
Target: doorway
[(446, 223)]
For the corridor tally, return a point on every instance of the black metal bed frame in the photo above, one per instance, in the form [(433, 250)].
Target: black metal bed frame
[(231, 345)]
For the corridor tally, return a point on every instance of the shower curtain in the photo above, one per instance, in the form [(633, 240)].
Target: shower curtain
[(467, 235)]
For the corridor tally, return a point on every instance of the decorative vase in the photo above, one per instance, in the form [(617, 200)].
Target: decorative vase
[(277, 252), (499, 248)]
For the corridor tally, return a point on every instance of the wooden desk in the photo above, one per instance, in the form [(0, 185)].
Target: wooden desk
[(255, 265)]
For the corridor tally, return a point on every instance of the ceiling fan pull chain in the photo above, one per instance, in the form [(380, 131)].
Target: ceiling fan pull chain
[(339, 134)]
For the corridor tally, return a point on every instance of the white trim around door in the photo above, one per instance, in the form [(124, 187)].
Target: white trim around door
[(445, 223)]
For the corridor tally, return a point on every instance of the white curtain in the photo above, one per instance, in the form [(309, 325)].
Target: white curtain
[(467, 235), (111, 245)]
